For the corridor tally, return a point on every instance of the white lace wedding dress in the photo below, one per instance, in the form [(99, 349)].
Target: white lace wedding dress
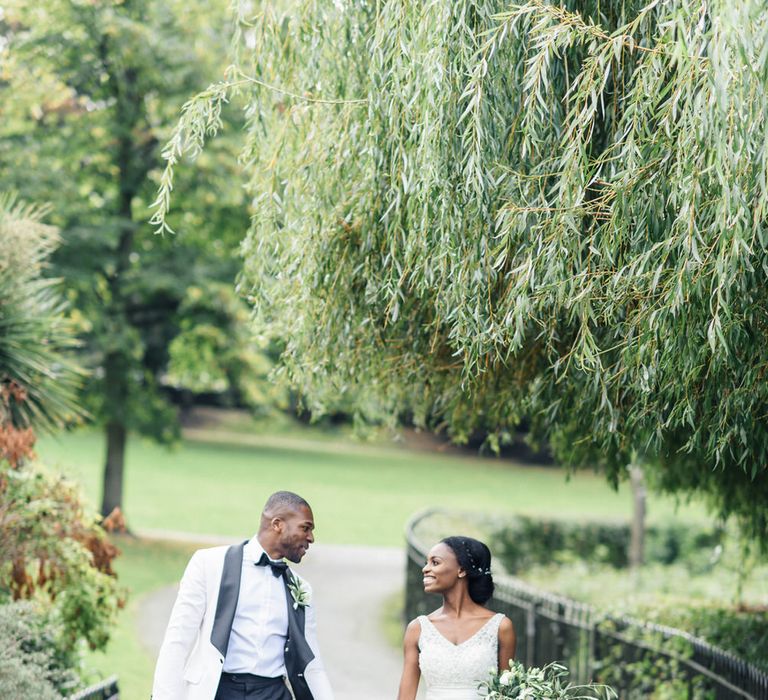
[(453, 671)]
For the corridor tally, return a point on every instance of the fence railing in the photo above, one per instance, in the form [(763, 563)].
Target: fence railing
[(636, 658), (106, 690)]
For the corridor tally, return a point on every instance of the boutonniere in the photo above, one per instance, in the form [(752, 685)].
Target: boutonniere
[(299, 593)]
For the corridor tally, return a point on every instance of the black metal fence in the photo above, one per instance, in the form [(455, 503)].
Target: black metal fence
[(639, 660), (106, 690)]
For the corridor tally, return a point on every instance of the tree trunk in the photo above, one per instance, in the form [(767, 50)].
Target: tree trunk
[(112, 496), (637, 540), (132, 168)]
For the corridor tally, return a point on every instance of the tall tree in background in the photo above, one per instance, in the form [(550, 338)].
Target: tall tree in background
[(476, 211), (93, 86)]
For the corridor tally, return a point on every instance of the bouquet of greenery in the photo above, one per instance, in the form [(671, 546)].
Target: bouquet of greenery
[(549, 682)]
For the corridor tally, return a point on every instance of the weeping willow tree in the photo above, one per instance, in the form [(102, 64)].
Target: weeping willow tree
[(471, 211)]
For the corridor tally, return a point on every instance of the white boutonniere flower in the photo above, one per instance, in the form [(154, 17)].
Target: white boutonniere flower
[(299, 593)]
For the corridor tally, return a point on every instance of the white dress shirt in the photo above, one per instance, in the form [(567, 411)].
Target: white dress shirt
[(260, 627)]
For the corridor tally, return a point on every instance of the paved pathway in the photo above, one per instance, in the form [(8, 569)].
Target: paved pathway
[(351, 584)]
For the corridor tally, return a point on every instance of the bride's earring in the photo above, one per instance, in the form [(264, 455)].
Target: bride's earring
[(462, 575)]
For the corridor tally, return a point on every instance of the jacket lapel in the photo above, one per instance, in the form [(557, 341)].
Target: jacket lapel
[(298, 653), (229, 591), (296, 616)]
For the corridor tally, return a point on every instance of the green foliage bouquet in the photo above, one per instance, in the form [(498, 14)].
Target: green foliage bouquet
[(547, 682)]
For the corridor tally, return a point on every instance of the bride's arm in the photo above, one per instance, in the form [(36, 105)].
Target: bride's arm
[(507, 643), (409, 681)]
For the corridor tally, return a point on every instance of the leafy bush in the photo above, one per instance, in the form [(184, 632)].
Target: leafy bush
[(52, 552), (51, 548), (524, 542), (570, 557), (649, 668), (742, 632), (31, 664)]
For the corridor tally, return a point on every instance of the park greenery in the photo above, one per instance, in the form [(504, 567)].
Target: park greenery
[(377, 487), (58, 593), (30, 665), (39, 381), (89, 91), (472, 213), (468, 215)]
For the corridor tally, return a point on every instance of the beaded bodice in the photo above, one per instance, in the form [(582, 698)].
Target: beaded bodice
[(455, 670)]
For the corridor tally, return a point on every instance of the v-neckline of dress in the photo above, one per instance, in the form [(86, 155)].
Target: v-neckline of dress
[(468, 639)]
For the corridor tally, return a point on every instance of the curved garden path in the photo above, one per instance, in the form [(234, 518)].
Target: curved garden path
[(352, 586)]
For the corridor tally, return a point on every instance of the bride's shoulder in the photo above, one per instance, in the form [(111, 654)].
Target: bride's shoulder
[(506, 628), (498, 622), (415, 625), (412, 633), (503, 621)]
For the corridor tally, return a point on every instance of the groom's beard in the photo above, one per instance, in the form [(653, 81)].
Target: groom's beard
[(295, 553)]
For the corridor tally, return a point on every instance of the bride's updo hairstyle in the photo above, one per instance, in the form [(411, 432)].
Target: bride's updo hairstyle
[(475, 558)]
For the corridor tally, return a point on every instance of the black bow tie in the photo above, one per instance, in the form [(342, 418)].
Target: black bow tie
[(278, 567)]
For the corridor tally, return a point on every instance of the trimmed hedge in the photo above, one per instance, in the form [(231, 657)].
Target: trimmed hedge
[(524, 542)]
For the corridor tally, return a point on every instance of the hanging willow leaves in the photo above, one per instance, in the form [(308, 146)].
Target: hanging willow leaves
[(540, 210)]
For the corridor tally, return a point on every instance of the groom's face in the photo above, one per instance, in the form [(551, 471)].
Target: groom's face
[(296, 533)]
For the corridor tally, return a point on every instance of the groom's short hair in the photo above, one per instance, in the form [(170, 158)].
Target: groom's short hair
[(284, 500)]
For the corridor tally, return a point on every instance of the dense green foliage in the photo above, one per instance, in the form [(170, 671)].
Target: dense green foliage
[(214, 351), (742, 632), (30, 665), (671, 591), (53, 551), (526, 541), (629, 659), (475, 211), (88, 92)]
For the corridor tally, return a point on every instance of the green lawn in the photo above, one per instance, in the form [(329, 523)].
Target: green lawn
[(360, 495)]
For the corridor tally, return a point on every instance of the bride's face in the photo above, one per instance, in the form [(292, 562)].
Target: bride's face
[(442, 570)]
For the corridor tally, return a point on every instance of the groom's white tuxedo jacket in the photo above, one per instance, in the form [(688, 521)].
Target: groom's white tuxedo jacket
[(192, 655)]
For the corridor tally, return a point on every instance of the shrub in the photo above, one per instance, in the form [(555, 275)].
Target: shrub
[(524, 542), (744, 633), (530, 547), (51, 548), (645, 664), (31, 664)]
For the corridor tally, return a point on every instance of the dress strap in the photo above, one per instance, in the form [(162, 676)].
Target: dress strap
[(425, 623)]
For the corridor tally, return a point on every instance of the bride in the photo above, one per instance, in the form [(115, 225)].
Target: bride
[(456, 646)]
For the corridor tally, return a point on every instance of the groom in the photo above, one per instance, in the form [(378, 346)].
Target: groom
[(243, 621)]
